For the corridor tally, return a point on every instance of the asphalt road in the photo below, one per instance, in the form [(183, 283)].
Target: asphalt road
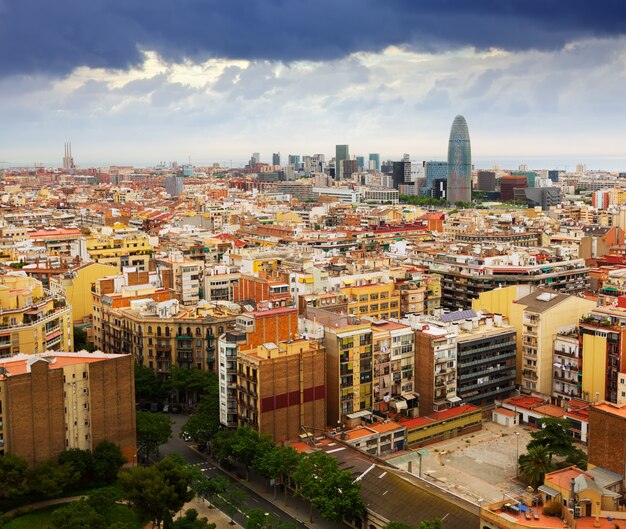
[(254, 500)]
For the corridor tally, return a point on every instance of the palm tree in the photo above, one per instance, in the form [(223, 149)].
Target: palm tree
[(535, 465)]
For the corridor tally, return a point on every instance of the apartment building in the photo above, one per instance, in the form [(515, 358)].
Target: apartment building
[(607, 431), (603, 351), (394, 368), (75, 286), (538, 318), (252, 329), (567, 377), (219, 282), (376, 300), (435, 363), (33, 320), (281, 389), (486, 350), (163, 334), (55, 401), (119, 248), (183, 276)]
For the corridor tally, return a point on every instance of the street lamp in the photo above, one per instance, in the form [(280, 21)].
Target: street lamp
[(516, 455)]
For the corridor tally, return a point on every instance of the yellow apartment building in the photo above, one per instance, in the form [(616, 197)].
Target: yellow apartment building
[(75, 287), (378, 300), (120, 249), (32, 319)]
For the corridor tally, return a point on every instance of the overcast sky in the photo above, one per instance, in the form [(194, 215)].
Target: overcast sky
[(148, 80)]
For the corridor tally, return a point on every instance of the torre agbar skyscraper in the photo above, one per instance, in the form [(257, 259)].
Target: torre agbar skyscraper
[(459, 163)]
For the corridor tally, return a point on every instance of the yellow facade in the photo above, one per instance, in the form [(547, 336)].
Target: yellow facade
[(498, 301), (265, 265), (75, 287), (380, 300), (594, 366), (33, 320), (128, 249)]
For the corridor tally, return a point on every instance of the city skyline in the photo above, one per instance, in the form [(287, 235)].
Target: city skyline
[(552, 87)]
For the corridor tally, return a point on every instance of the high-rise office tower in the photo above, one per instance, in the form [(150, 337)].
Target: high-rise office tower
[(294, 161), (360, 161), (402, 172), (374, 160), (68, 161), (276, 158), (342, 152), (433, 170), (459, 163)]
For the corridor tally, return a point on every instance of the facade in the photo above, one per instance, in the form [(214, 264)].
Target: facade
[(349, 368), (402, 172), (485, 360), (349, 167), (459, 163), (252, 330), (434, 171), (508, 185), (538, 318), (275, 158), (219, 282), (52, 402), (486, 181), (281, 389), (132, 248), (174, 185), (567, 378), (374, 161), (184, 276), (543, 197), (394, 368), (435, 365), (378, 300), (75, 287), (33, 320), (342, 152), (607, 432)]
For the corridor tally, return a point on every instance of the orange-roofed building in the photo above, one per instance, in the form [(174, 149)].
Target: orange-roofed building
[(53, 401)]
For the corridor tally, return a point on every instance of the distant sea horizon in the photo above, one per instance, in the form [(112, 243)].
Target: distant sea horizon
[(563, 163)]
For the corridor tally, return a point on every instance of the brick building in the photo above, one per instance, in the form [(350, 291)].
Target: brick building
[(282, 389), (607, 437), (55, 401)]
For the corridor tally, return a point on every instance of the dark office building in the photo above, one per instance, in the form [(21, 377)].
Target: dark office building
[(553, 175), (486, 365), (486, 181), (440, 188), (401, 173), (509, 183), (349, 168)]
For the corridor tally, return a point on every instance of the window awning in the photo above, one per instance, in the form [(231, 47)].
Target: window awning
[(399, 405), (548, 490)]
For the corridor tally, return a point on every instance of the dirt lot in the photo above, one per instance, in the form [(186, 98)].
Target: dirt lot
[(478, 466)]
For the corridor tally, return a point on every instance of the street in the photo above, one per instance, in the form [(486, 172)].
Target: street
[(254, 499)]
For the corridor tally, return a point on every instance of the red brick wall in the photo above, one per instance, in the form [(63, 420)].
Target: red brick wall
[(607, 440)]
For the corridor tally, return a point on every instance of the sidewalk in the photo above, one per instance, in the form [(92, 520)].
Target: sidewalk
[(214, 515)]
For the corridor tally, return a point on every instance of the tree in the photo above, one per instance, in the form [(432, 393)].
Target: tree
[(555, 437), (332, 491), (259, 519), (535, 465), (209, 488), (13, 473), (191, 521), (50, 478), (107, 461), (78, 515), (430, 524), (203, 425), (147, 386), (276, 464), (192, 382), (157, 491), (80, 340), (235, 499), (153, 430), (80, 460)]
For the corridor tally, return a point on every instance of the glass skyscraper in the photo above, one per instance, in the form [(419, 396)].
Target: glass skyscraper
[(459, 163), (342, 152), (374, 157)]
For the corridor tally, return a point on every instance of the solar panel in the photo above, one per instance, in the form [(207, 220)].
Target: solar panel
[(458, 315)]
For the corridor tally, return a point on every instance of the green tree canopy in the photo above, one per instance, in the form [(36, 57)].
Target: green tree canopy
[(78, 515), (107, 461), (153, 430), (51, 478), (13, 473), (235, 499), (148, 387), (80, 340), (203, 425), (156, 492), (80, 460), (535, 464), (208, 488), (277, 463), (332, 491)]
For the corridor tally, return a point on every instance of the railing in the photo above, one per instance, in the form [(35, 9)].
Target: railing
[(497, 358)]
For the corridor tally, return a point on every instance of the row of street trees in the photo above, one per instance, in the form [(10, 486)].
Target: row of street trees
[(315, 477)]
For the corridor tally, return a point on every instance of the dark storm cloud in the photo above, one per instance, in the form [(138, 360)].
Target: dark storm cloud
[(55, 36)]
